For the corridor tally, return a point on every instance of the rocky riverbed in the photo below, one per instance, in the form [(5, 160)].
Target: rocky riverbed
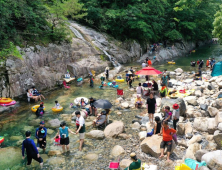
[(199, 130)]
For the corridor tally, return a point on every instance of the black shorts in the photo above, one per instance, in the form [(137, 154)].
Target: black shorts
[(30, 157), (168, 144), (41, 144), (64, 141)]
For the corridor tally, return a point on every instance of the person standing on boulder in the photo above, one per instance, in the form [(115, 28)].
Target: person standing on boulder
[(31, 150), (175, 115), (167, 139), (80, 128), (40, 135), (64, 134)]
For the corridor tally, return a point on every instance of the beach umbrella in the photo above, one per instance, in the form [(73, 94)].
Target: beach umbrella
[(104, 104), (148, 71)]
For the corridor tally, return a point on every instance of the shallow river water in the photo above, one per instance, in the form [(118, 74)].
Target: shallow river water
[(13, 124)]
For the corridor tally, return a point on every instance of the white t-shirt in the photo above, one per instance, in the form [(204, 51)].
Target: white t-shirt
[(143, 65), (80, 121), (57, 105), (176, 114), (139, 89)]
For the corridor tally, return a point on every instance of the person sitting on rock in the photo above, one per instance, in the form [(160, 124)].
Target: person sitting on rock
[(167, 113), (136, 164), (30, 96), (157, 126), (101, 118), (167, 139), (198, 74), (35, 92), (138, 102), (92, 108)]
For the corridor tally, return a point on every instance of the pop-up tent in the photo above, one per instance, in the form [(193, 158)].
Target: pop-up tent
[(217, 69)]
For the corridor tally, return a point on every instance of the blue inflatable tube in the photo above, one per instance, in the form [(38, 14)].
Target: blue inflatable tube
[(110, 84), (79, 79)]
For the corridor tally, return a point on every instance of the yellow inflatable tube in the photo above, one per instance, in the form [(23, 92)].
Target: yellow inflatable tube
[(182, 167), (4, 100), (120, 80), (35, 107), (57, 110), (171, 62)]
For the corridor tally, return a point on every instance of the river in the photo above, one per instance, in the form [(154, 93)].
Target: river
[(13, 124)]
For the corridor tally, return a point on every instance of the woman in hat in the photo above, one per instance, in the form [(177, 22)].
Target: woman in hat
[(175, 115), (136, 164)]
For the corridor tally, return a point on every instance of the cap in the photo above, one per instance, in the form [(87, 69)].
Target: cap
[(176, 106), (132, 154), (42, 122)]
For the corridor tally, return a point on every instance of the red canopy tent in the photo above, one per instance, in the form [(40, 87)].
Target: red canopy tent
[(148, 71)]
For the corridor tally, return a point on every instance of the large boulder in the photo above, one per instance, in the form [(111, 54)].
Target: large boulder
[(198, 155), (213, 159), (195, 139), (114, 129), (54, 123), (200, 123), (212, 125), (212, 111), (180, 128), (171, 102), (192, 100), (91, 157), (151, 145), (9, 157), (178, 70), (117, 151), (96, 134), (192, 149)]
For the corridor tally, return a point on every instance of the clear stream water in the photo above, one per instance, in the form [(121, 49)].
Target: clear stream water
[(15, 123)]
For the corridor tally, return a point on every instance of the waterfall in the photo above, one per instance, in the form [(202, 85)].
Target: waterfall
[(97, 44)]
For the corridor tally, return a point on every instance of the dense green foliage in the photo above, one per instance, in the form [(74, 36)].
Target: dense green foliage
[(152, 20), (217, 32), (26, 22)]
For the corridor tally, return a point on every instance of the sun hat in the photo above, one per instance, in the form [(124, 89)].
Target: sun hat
[(132, 154), (175, 106)]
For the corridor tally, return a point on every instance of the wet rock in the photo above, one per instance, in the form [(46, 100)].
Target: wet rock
[(55, 152), (135, 126), (34, 122), (151, 145), (91, 157), (194, 139), (192, 100), (212, 111), (125, 163), (114, 129), (198, 155), (54, 123), (95, 134), (10, 156), (142, 135), (200, 124), (212, 125), (171, 102), (28, 128), (124, 136), (213, 159), (125, 105), (192, 149), (117, 151), (14, 138), (56, 161)]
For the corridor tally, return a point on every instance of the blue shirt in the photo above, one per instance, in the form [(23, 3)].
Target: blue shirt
[(212, 62), (30, 147), (36, 135), (164, 79), (64, 131), (35, 91)]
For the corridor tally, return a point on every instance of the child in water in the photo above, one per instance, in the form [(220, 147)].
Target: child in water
[(57, 140), (57, 105)]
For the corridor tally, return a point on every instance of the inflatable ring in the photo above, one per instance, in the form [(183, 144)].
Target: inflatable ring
[(171, 62), (9, 104), (4, 100), (57, 110), (80, 79), (110, 84), (35, 107), (120, 80), (1, 139), (78, 99)]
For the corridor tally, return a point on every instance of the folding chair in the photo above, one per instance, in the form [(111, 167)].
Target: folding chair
[(64, 84), (114, 165), (119, 92)]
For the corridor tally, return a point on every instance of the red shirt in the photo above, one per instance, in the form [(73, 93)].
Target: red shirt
[(167, 134)]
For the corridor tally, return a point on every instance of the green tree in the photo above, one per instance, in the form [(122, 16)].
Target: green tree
[(217, 32)]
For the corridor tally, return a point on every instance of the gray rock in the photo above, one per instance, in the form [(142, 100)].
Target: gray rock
[(192, 100), (212, 111), (198, 155), (213, 159), (204, 107), (171, 102), (218, 138), (54, 123)]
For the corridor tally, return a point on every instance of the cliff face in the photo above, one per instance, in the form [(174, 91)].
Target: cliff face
[(45, 66)]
